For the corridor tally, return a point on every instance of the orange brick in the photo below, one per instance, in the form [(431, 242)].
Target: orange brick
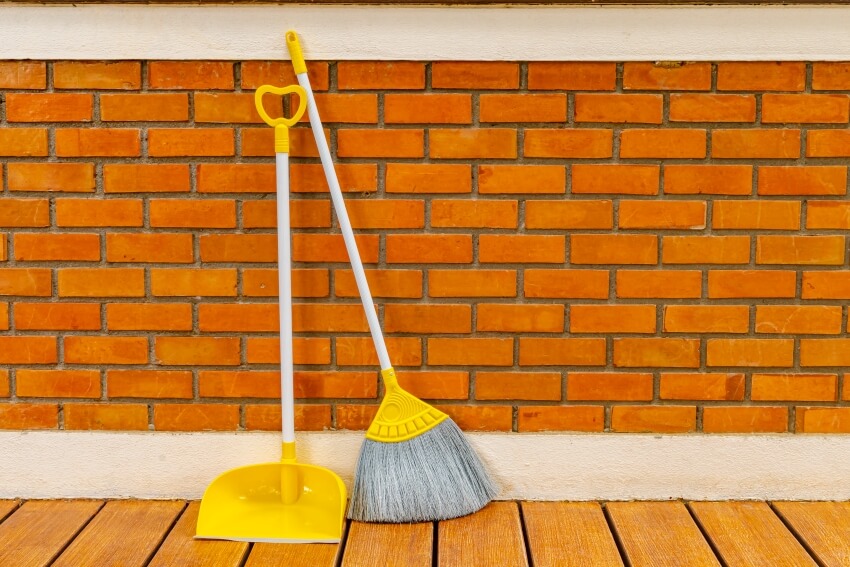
[(612, 318), (514, 179), (428, 178), (660, 77), (580, 143), (200, 75), (193, 282), (706, 318), (799, 319), (702, 386), (758, 215), (144, 107), (523, 108), (520, 248), (429, 248), (518, 386), (99, 212), (560, 283), (621, 179), (750, 352), (394, 213), (23, 142), (587, 386), (427, 109), (333, 384), (761, 76), (159, 247), (618, 108), (828, 215), (23, 75), (360, 351), (800, 180), (830, 76), (823, 420), (197, 351), (178, 142), (261, 282), (115, 417), (57, 383), (236, 178), (311, 417), (195, 213), (262, 350), (101, 282), (149, 384), (35, 247), (666, 352), (239, 248), (28, 416), (473, 214), (708, 179), (667, 143), (561, 352), (149, 317), (795, 387), (353, 178), (653, 419), (238, 384), (145, 178), (824, 352), (826, 285), (25, 281), (643, 284), (196, 417), (331, 248), (51, 107), (477, 283), (706, 249), (469, 351), (374, 75), (745, 419), (106, 350), (560, 418), (574, 214), (257, 73), (25, 212), (355, 417), (480, 418), (712, 108), (442, 318), (446, 385), (381, 143), (472, 143), (64, 177), (800, 250), (239, 317), (751, 283), (823, 109), (231, 108), (302, 214), (613, 249), (757, 143), (57, 316), (572, 76), (680, 215), (114, 75), (520, 318), (474, 75), (328, 318)]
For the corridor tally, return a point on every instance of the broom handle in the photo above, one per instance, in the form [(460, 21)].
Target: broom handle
[(338, 202)]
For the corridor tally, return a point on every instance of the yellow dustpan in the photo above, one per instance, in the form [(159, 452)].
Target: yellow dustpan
[(285, 502)]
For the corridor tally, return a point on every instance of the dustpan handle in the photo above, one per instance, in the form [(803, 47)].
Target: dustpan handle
[(338, 201)]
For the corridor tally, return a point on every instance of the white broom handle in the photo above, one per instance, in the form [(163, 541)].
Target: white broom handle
[(344, 224), (284, 279)]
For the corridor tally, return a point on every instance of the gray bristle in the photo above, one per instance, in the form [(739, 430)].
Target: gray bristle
[(434, 476)]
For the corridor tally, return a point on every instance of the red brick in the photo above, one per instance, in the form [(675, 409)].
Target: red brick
[(702, 386), (474, 75), (427, 109), (621, 179), (612, 318), (756, 143), (670, 215), (756, 215), (761, 76), (577, 76), (309, 317), (619, 108), (238, 248), (577, 143), (429, 248), (101, 282), (25, 281), (23, 142), (115, 417), (35, 247), (523, 108), (654, 352), (661, 77), (473, 214), (469, 351), (381, 143), (258, 73), (112, 75), (750, 352), (706, 318), (23, 75), (560, 283), (822, 109), (719, 419), (800, 250), (825, 352), (472, 143), (826, 285), (262, 282), (197, 351), (706, 249), (25, 212), (195, 213), (353, 178), (751, 284), (520, 248), (149, 317), (98, 212), (360, 351), (708, 179), (428, 178), (144, 107), (57, 316), (517, 179), (375, 75), (106, 350), (331, 248), (561, 352), (200, 75), (712, 108), (196, 417), (828, 215), (795, 387), (442, 318), (52, 107), (179, 142), (477, 283), (261, 350), (823, 420), (445, 385), (28, 416), (396, 213), (613, 249), (583, 214), (62, 177), (667, 143), (149, 384), (57, 383), (799, 319), (518, 386), (145, 178), (653, 419), (802, 180), (560, 418), (520, 318), (159, 247), (309, 417), (643, 284), (586, 386), (193, 282), (231, 108)]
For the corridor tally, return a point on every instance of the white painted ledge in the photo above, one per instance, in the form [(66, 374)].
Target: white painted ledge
[(60, 464), (544, 33)]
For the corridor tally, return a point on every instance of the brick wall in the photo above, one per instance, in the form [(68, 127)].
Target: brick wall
[(552, 246)]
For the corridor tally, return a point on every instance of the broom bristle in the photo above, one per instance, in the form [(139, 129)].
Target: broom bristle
[(433, 476)]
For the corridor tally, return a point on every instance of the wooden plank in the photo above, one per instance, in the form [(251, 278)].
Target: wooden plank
[(7, 507), (491, 536), (388, 545), (180, 547), (750, 534), (569, 534), (824, 526), (660, 534), (125, 533), (293, 555), (40, 529)]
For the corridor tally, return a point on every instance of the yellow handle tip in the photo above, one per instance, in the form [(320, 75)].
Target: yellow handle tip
[(295, 52)]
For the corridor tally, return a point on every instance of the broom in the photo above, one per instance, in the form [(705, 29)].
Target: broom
[(415, 464)]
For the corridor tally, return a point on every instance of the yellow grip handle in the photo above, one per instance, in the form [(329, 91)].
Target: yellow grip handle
[(295, 52)]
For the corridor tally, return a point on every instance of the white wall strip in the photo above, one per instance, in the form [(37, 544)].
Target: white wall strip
[(648, 33), (58, 464)]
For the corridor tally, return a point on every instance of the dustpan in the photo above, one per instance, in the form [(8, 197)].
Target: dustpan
[(285, 502)]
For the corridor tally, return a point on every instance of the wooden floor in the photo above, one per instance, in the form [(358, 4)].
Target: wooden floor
[(505, 534)]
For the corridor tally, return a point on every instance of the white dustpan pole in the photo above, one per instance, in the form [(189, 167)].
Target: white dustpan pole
[(284, 278), (344, 224)]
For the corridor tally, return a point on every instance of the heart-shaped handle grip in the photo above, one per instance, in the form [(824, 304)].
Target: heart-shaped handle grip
[(291, 89)]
